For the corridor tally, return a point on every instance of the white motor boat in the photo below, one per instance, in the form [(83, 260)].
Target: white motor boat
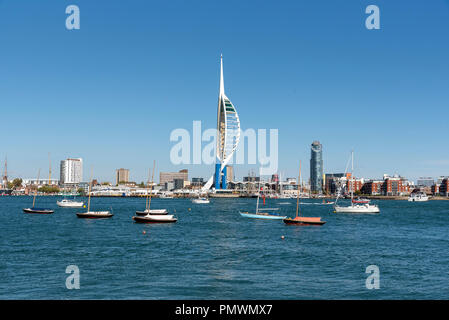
[(201, 201), (358, 208), (418, 197), (70, 203)]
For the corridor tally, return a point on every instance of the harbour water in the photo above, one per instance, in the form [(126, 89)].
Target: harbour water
[(214, 253)]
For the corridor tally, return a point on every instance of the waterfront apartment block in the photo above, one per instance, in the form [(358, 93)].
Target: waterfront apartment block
[(121, 176), (394, 186), (316, 167), (372, 187), (71, 171), (331, 181), (354, 185), (165, 177), (444, 187)]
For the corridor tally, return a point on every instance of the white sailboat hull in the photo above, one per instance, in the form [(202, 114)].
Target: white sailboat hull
[(155, 218), (95, 214), (357, 209)]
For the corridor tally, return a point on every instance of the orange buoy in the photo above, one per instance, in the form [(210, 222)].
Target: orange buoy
[(144, 232)]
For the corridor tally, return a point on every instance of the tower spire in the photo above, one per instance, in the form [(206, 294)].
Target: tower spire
[(221, 76)]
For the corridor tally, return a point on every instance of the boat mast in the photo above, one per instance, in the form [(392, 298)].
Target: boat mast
[(49, 169), (148, 189), (258, 194), (152, 182), (352, 178), (90, 191), (299, 189), (35, 193)]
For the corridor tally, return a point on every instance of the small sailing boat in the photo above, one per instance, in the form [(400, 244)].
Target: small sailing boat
[(201, 200), (418, 197), (153, 216), (93, 214), (259, 214), (299, 220), (355, 207), (148, 200), (34, 209)]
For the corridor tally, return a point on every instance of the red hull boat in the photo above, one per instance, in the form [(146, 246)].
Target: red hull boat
[(300, 220)]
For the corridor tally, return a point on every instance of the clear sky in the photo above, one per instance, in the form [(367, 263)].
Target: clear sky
[(113, 91)]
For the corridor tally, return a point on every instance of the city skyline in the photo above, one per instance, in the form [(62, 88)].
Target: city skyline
[(351, 89)]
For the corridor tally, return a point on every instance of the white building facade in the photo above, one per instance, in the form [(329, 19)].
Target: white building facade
[(71, 171)]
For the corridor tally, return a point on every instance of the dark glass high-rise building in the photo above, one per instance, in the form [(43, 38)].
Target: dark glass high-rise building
[(316, 167)]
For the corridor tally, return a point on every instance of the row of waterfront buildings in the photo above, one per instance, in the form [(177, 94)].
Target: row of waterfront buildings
[(71, 178)]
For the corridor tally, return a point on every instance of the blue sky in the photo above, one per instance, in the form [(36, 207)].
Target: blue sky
[(113, 91)]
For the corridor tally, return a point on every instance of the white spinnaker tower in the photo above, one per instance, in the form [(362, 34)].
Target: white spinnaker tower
[(228, 129)]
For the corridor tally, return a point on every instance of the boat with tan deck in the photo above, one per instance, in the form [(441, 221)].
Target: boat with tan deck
[(298, 219)]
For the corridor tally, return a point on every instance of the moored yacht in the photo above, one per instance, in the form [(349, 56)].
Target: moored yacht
[(300, 220), (153, 215), (66, 203), (34, 209), (418, 197), (152, 212), (355, 207), (201, 200), (93, 214), (155, 218)]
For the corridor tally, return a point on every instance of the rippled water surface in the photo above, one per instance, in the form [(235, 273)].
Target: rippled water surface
[(214, 253)]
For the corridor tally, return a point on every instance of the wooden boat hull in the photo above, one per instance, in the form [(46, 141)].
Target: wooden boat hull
[(93, 215), (305, 221), (149, 219), (38, 211), (261, 216)]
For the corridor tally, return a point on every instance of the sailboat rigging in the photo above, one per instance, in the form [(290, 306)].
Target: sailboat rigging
[(37, 210), (355, 207), (300, 220), (153, 216), (93, 214), (262, 215)]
